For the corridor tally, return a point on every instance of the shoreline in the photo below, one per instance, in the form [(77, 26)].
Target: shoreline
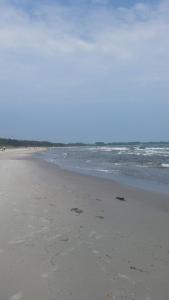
[(137, 179), (66, 236), (119, 187)]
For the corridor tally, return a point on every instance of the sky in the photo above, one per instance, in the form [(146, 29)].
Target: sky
[(86, 70)]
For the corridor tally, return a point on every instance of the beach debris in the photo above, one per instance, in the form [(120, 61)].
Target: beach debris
[(120, 198), (100, 217), (137, 269), (77, 210)]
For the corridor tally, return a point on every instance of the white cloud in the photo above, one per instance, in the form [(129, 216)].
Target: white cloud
[(55, 51)]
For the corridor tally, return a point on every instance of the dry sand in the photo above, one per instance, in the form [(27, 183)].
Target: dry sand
[(65, 236)]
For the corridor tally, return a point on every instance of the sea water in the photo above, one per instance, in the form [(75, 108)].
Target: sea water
[(145, 166)]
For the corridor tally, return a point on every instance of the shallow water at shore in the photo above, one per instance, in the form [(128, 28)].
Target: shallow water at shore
[(144, 167)]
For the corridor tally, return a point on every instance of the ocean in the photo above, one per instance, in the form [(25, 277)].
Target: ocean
[(145, 166)]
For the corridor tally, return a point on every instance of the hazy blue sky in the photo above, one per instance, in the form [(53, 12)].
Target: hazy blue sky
[(84, 70)]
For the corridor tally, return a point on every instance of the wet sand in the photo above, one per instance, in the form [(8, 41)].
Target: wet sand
[(66, 236)]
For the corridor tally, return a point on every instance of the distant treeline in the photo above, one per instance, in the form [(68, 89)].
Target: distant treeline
[(136, 143), (25, 143), (4, 142), (28, 143)]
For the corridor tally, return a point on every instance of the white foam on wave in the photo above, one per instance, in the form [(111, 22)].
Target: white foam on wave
[(142, 166), (115, 148), (51, 160), (158, 148), (64, 154), (165, 165), (103, 170), (150, 152), (108, 149)]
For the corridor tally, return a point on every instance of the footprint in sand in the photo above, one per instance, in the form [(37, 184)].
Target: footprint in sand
[(77, 210)]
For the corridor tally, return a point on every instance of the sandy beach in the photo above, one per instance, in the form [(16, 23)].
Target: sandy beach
[(65, 236)]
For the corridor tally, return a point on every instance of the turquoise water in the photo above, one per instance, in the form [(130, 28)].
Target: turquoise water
[(144, 166)]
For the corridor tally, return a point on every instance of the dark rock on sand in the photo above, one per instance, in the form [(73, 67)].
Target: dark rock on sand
[(121, 198), (77, 210), (136, 269)]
